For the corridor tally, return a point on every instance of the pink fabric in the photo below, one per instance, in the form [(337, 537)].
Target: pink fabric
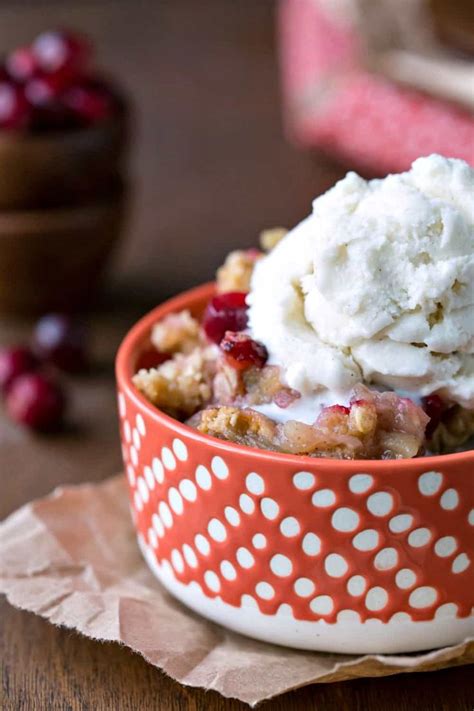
[(332, 102)]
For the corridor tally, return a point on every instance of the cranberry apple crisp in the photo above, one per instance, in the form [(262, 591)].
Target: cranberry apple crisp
[(351, 336), (213, 375)]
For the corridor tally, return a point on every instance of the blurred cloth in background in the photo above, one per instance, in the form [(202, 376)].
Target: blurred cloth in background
[(375, 82)]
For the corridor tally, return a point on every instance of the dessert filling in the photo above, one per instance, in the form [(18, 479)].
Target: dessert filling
[(350, 336)]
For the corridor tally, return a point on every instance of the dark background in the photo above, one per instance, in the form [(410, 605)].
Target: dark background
[(210, 168)]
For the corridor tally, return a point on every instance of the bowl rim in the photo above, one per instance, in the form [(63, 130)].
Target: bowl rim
[(186, 299)]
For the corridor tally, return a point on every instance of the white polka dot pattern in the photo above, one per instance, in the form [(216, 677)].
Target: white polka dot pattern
[(190, 556), (380, 503), (244, 557), (386, 559), (188, 490), (405, 578), (269, 508), (212, 581), (419, 537), (165, 514), (219, 468), (180, 450), (281, 565), (356, 585), (322, 605), (423, 597), (345, 520), (366, 540), (232, 516), (429, 483), (324, 498), (175, 501), (311, 544), (376, 599), (335, 565), (360, 483), (202, 544), (304, 587), (254, 483), (400, 523), (265, 590), (228, 571), (217, 530), (203, 478), (168, 458), (158, 470), (259, 541), (445, 546), (246, 504), (304, 480), (449, 500), (290, 527), (449, 609), (258, 535), (177, 561), (460, 563)]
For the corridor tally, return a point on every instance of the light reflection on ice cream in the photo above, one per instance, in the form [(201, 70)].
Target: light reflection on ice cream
[(375, 286)]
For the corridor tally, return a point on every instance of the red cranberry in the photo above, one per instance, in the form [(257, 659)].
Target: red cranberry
[(243, 352), (341, 409), (35, 401), (151, 358), (89, 103), (61, 341), (44, 89), (435, 408), (15, 362), (14, 109), (253, 253), (225, 312), (21, 64), (61, 51)]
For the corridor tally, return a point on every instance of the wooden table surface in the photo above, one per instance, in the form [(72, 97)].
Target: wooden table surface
[(210, 168)]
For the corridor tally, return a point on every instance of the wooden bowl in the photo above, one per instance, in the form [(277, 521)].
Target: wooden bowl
[(53, 259), (62, 167)]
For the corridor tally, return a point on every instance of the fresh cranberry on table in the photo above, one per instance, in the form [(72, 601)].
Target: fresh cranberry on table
[(243, 352), (14, 110), (35, 401), (21, 64), (61, 51), (61, 341), (225, 312), (15, 361)]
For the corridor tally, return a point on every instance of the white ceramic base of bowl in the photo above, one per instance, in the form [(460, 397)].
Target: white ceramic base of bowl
[(346, 637)]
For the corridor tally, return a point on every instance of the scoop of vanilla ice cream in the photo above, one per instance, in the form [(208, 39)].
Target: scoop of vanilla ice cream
[(376, 286)]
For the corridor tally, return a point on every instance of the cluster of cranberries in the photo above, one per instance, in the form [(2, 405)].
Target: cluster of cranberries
[(224, 320), (33, 395), (48, 85)]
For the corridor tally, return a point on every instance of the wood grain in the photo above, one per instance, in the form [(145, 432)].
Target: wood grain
[(211, 169)]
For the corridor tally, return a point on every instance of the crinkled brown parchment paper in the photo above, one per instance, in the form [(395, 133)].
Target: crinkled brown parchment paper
[(73, 559)]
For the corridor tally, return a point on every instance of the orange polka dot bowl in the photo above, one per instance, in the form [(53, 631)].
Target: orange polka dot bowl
[(341, 556)]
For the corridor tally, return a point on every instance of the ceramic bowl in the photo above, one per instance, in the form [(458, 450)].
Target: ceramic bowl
[(53, 259), (342, 556)]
